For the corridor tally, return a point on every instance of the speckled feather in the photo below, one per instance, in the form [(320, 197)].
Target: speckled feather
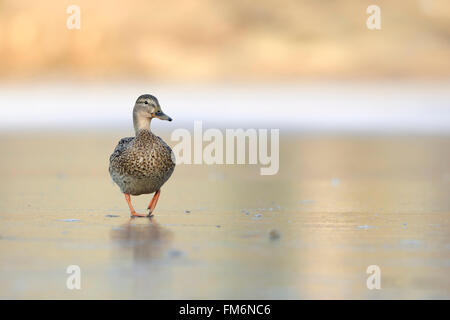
[(141, 164)]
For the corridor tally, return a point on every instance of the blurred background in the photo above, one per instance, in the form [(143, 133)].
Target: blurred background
[(208, 40), (315, 60), (364, 119)]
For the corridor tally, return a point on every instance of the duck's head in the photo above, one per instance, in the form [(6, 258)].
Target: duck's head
[(145, 109), (148, 106)]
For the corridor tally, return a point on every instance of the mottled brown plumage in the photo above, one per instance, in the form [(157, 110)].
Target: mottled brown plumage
[(142, 164)]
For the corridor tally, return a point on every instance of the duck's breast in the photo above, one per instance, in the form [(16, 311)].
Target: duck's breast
[(141, 165)]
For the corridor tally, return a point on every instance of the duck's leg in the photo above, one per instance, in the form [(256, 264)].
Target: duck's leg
[(133, 213), (152, 204)]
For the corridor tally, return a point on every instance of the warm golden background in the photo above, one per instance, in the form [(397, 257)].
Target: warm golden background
[(205, 40), (364, 119)]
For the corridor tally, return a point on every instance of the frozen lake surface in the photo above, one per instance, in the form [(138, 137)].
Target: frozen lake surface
[(338, 205)]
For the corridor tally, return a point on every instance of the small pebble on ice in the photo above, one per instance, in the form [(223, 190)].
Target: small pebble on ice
[(274, 234), (175, 253)]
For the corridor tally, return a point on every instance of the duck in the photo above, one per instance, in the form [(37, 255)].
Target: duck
[(143, 163)]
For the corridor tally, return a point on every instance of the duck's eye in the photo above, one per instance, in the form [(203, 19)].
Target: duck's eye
[(146, 102)]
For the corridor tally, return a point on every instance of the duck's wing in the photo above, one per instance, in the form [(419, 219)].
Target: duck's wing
[(123, 145), (162, 154)]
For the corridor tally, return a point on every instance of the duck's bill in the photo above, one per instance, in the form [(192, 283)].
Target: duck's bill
[(163, 116)]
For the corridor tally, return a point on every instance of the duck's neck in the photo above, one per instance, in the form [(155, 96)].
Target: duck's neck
[(140, 122)]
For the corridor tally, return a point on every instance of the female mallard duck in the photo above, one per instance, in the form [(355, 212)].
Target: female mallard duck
[(142, 164)]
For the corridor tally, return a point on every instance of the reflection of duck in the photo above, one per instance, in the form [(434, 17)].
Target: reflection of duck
[(142, 164), (147, 240)]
